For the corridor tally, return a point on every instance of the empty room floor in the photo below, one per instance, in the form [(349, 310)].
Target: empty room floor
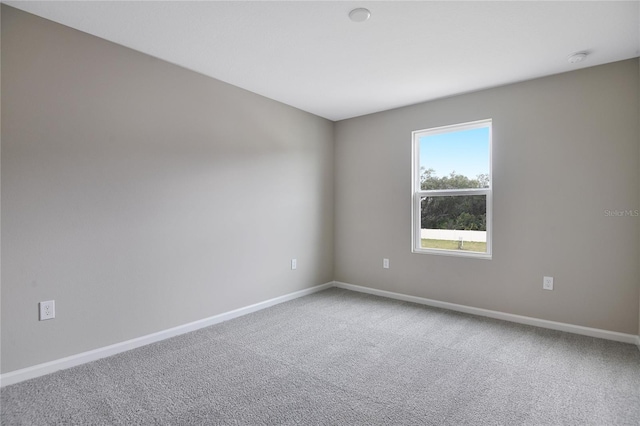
[(340, 357)]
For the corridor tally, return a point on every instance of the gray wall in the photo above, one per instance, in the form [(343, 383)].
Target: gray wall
[(565, 149), (142, 196)]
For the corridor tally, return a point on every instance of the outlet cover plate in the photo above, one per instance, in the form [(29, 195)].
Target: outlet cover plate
[(547, 283), (47, 310)]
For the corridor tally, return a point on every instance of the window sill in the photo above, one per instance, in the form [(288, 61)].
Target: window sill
[(454, 253)]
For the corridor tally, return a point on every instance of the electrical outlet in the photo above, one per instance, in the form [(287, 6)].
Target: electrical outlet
[(547, 283), (294, 264), (385, 263), (47, 310)]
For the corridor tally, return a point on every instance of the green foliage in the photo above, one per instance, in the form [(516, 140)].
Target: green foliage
[(465, 212), (429, 181)]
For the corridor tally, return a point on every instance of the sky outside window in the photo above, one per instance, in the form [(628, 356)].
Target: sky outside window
[(466, 152)]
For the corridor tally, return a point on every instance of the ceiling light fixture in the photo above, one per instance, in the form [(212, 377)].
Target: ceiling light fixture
[(360, 14), (574, 58)]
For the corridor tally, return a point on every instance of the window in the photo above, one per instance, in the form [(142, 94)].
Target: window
[(452, 190)]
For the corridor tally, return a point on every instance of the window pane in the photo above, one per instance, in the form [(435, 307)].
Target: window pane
[(455, 160), (454, 223)]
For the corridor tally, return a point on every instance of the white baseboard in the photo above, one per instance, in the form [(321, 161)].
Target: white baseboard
[(93, 355), (576, 329)]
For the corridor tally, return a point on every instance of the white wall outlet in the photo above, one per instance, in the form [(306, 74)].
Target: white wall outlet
[(47, 310), (385, 263), (547, 283), (294, 264)]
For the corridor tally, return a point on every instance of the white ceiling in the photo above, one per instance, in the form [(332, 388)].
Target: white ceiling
[(310, 55)]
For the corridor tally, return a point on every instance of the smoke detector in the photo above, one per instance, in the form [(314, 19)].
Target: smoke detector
[(360, 14), (574, 58)]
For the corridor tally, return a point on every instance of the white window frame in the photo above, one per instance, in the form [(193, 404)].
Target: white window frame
[(417, 193)]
